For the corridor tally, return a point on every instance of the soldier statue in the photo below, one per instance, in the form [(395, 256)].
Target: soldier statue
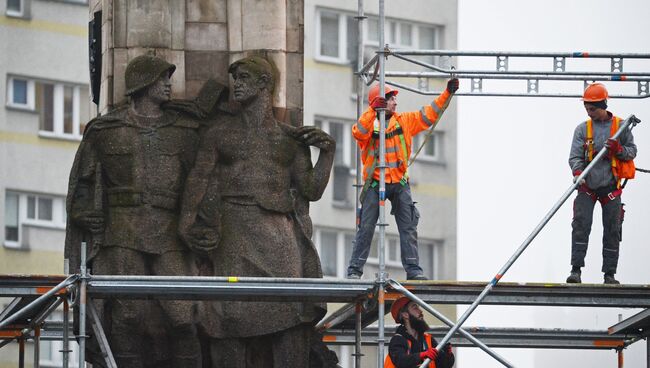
[(246, 207), (124, 200)]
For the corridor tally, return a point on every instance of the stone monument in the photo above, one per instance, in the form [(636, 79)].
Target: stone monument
[(245, 207), (124, 199)]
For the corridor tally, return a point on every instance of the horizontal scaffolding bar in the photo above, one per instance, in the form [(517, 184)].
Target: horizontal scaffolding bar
[(579, 54), (534, 294), (494, 337), (501, 337), (340, 290), (498, 94), (519, 76), (229, 288)]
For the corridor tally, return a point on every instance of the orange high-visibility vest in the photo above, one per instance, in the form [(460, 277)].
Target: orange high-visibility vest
[(402, 127), (620, 168), (388, 362)]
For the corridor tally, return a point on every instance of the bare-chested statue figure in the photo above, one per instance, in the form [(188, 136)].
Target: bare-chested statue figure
[(245, 207), (124, 199)]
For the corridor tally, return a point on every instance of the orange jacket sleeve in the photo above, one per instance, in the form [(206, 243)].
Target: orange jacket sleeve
[(362, 130), (428, 116)]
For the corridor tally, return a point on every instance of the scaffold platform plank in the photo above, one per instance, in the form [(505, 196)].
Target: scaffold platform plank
[(533, 294), (336, 290)]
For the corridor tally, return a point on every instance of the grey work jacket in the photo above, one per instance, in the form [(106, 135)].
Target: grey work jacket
[(601, 175)]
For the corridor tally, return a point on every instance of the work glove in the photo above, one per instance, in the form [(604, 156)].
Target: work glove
[(430, 353), (378, 103), (576, 175), (452, 85), (613, 147), (448, 349)]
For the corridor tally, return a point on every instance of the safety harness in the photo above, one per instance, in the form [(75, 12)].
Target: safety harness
[(620, 169), (373, 151)]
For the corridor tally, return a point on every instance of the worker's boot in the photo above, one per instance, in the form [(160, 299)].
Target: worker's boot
[(574, 277), (610, 280)]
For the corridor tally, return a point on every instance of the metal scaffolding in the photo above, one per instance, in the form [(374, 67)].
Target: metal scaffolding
[(361, 320), (34, 297)]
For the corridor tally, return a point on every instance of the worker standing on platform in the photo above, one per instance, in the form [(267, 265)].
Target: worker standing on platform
[(603, 183), (411, 344), (400, 130)]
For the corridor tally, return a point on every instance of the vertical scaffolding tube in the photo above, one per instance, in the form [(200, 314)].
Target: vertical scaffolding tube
[(647, 352), (359, 177), (37, 346), (21, 351), (357, 337), (82, 307), (381, 276), (66, 333)]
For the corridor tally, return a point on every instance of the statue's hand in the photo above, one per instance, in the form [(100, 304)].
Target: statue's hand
[(92, 221), (201, 239), (312, 136)]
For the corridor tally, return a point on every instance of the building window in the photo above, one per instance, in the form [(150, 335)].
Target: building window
[(402, 34), (431, 151), (11, 219), (20, 92), (25, 209), (63, 109), (344, 159), (336, 37), (335, 249), (15, 8)]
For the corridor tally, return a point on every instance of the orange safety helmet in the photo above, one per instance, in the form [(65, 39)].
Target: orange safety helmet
[(397, 306), (374, 92), (595, 92)]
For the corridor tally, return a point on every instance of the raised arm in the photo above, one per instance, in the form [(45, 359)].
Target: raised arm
[(311, 181)]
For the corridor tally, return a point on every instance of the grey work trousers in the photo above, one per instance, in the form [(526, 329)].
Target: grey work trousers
[(583, 210), (406, 216)]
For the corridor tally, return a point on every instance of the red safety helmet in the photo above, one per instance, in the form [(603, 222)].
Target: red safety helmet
[(397, 307), (374, 92), (595, 92)]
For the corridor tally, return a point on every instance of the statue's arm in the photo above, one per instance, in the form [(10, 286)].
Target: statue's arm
[(198, 222), (86, 207), (312, 181)]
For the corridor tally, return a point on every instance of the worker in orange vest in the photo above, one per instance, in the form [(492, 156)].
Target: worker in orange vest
[(411, 344), (400, 130), (603, 183)]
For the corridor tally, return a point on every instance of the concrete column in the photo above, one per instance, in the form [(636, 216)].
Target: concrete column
[(202, 37)]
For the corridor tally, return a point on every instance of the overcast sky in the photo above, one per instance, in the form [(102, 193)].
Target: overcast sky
[(513, 167)]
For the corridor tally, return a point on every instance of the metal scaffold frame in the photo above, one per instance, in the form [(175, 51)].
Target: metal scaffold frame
[(35, 297)]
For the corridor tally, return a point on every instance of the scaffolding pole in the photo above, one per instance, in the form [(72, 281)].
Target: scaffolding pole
[(381, 275), (631, 120), (359, 176)]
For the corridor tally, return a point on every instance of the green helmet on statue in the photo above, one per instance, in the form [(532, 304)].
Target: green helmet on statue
[(143, 71)]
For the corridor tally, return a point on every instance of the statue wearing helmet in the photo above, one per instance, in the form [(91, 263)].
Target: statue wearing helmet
[(602, 184), (124, 199)]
